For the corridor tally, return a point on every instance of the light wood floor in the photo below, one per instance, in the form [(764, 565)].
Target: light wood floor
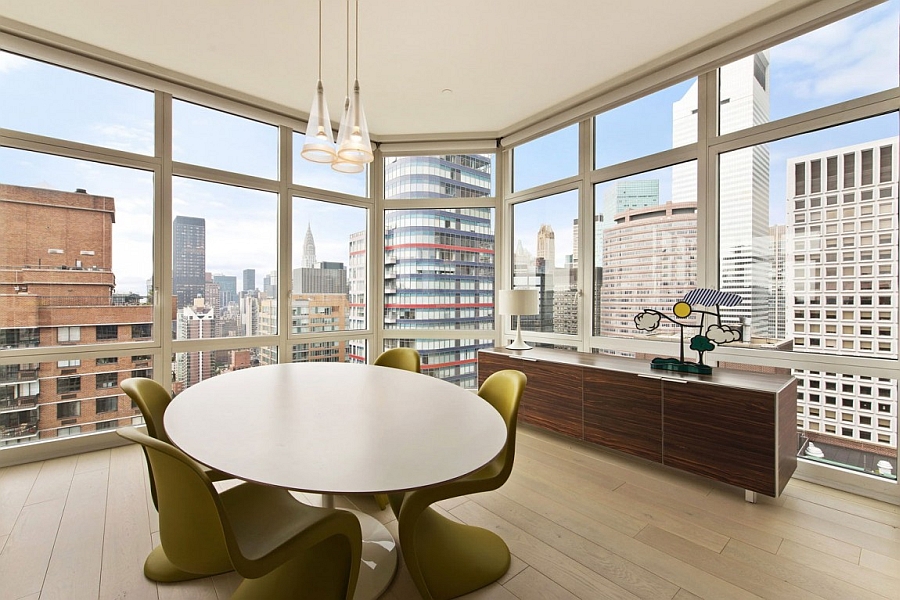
[(580, 522)]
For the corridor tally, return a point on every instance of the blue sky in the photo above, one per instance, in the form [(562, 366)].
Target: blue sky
[(847, 59)]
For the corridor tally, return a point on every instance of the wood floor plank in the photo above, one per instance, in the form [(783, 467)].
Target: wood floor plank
[(888, 531), (566, 572), (817, 582), (858, 575), (881, 563), (580, 547), (737, 572), (24, 560), (668, 567), (126, 539), (577, 490), (226, 584), (92, 461), (53, 481), (15, 486), (868, 508), (531, 583), (723, 526), (74, 570)]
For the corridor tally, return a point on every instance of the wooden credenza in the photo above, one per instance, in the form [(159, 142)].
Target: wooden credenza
[(734, 426)]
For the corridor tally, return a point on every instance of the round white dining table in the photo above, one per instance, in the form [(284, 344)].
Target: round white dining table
[(338, 428)]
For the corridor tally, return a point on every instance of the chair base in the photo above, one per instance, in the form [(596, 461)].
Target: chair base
[(455, 559), (159, 568)]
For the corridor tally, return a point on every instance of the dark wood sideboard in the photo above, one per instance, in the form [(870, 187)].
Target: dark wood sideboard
[(734, 426)]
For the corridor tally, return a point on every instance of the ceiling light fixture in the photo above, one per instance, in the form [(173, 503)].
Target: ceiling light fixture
[(353, 140), (342, 165), (319, 143)]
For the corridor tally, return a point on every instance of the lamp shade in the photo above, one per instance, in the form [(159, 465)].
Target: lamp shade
[(319, 144), (518, 302)]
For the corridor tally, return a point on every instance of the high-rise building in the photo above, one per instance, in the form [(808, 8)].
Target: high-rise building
[(197, 321), (648, 264), (322, 278), (842, 272), (188, 259), (308, 258), (249, 280), (439, 263), (744, 244), (57, 289), (227, 289)]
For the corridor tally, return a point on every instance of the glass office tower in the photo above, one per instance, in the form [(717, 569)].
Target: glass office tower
[(439, 262)]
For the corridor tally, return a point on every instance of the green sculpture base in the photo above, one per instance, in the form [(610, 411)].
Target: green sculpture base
[(673, 364)]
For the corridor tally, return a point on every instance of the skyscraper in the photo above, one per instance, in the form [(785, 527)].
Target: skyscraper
[(308, 259), (842, 273), (439, 263), (188, 259), (744, 244), (249, 280)]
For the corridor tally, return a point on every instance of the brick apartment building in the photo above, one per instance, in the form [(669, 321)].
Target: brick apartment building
[(56, 289)]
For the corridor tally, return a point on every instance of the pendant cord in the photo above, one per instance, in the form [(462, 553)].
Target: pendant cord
[(356, 62), (347, 80), (320, 40)]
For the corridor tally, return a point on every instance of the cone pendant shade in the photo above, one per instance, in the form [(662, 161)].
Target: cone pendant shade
[(319, 143), (345, 166), (353, 138)]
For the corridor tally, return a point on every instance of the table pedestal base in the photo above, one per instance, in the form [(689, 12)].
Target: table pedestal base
[(379, 558), (379, 554)]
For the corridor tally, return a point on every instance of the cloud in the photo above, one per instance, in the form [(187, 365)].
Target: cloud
[(127, 139), (722, 334), (647, 320), (848, 58)]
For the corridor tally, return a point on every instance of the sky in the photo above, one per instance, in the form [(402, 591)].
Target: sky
[(853, 57)]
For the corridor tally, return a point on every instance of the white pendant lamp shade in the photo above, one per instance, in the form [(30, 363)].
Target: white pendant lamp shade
[(346, 166), (319, 143), (353, 138)]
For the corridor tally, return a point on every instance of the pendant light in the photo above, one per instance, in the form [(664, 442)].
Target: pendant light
[(354, 144), (319, 143), (341, 165)]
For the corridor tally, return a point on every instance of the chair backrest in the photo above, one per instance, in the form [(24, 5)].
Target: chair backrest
[(191, 527), (400, 358), (503, 390), (152, 399)]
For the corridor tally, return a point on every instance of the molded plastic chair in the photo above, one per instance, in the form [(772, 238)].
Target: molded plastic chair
[(407, 359), (153, 399), (400, 358), (448, 559), (284, 548)]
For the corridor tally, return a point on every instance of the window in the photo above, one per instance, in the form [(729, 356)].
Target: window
[(68, 364), (68, 334), (544, 260), (545, 159), (66, 385), (444, 176), (67, 410), (111, 360), (107, 380), (107, 332), (107, 404), (68, 431), (107, 425), (142, 330), (199, 133), (329, 269), (653, 123)]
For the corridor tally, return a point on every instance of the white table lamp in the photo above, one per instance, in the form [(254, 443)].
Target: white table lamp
[(518, 302)]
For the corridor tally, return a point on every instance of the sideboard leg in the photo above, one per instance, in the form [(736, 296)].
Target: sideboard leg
[(750, 496)]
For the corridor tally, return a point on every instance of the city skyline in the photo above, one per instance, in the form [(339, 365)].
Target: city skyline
[(801, 80)]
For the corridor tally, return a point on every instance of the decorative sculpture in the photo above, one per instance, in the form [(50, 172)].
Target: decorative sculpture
[(708, 335)]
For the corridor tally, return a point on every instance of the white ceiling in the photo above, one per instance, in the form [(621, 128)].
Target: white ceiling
[(504, 60)]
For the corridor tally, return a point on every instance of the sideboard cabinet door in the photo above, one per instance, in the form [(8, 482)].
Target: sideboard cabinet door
[(552, 397), (722, 433), (623, 411)]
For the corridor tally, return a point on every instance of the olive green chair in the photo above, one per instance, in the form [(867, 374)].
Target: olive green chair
[(153, 399), (283, 548), (400, 358), (445, 558), (407, 359)]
